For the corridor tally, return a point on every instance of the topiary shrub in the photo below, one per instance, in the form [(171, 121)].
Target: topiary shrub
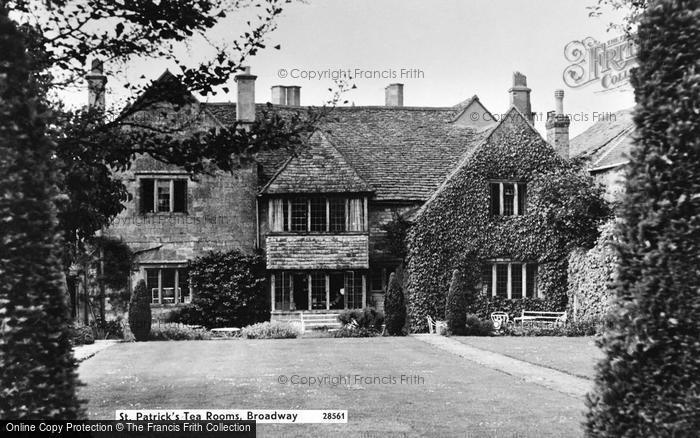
[(456, 306), (140, 312), (647, 385), (394, 307), (82, 334), (229, 291)]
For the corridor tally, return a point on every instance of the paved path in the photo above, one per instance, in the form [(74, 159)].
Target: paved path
[(83, 352), (547, 377)]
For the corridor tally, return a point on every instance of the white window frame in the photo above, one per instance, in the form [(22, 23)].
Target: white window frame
[(171, 181), (288, 220), (501, 197), (178, 288), (509, 285)]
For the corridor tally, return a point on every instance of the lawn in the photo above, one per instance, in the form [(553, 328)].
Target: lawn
[(576, 356), (456, 398)]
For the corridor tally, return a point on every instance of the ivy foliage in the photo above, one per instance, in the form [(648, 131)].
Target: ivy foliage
[(455, 228), (647, 385)]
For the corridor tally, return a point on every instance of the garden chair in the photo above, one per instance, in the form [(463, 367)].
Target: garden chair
[(500, 320)]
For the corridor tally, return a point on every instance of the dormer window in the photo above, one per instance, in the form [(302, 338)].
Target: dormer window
[(507, 198), (318, 214)]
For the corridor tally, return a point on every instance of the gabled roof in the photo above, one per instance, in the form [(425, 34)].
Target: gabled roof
[(319, 168), (607, 143), (402, 153)]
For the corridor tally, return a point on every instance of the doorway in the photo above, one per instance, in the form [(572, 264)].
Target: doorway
[(300, 285)]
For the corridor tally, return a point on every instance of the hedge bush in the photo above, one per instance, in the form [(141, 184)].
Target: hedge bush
[(647, 385), (38, 376), (177, 332), (140, 312), (456, 306), (229, 291), (475, 326), (354, 332), (270, 330), (394, 307), (368, 319), (455, 230), (82, 334)]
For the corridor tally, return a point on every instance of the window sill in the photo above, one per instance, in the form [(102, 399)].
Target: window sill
[(317, 233), (164, 213)]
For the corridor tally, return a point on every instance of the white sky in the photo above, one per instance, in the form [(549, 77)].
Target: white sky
[(462, 47)]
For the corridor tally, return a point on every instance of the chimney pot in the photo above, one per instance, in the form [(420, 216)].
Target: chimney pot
[(245, 102), (393, 95), (96, 86), (520, 95), (294, 95), (558, 126), (279, 95)]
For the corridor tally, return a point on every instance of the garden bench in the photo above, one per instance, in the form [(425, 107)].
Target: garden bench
[(227, 330), (500, 320), (538, 318)]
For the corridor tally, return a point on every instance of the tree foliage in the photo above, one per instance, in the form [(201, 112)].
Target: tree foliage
[(229, 290), (455, 229), (140, 312), (37, 369), (394, 307), (647, 385)]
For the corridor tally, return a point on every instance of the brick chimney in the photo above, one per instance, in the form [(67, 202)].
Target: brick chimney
[(245, 102), (393, 95), (96, 86), (520, 95), (558, 126)]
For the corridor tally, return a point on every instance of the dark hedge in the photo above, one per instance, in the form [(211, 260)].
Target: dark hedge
[(455, 228), (648, 384), (456, 306), (140, 312), (394, 307), (37, 369)]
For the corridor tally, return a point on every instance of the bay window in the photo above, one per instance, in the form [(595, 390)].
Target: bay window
[(317, 214)]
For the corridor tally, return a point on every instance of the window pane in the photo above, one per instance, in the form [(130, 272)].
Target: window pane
[(277, 217), (502, 280), (375, 280), (516, 280), (487, 279), (300, 214), (168, 285), (337, 213), (146, 195), (508, 199), (282, 290), (163, 187), (318, 214), (353, 290), (522, 196), (183, 281), (152, 284), (180, 195), (531, 280), (356, 215), (495, 199), (318, 290)]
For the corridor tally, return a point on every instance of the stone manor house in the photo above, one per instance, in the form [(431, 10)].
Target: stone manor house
[(318, 216)]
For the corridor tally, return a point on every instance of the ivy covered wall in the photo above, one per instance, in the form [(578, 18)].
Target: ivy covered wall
[(591, 275), (456, 230)]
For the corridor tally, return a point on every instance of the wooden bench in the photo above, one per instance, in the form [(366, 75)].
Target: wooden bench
[(541, 319)]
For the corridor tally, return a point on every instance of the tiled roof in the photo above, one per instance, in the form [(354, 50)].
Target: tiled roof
[(319, 168), (403, 153), (606, 143)]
